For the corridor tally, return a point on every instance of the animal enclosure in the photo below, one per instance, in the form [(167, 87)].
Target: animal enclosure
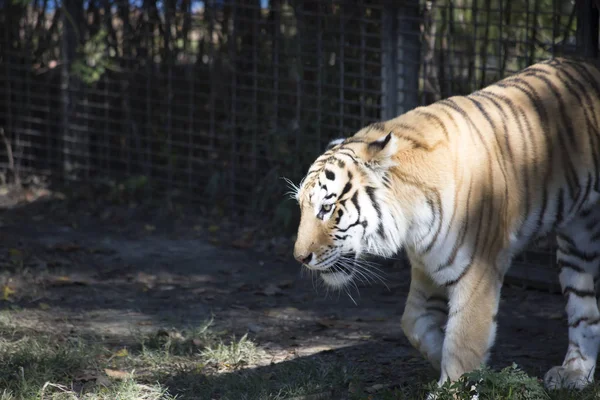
[(213, 102)]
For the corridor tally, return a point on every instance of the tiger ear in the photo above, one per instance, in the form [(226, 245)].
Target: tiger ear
[(334, 143), (382, 148)]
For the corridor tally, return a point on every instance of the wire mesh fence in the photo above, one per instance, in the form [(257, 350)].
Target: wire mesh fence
[(214, 101)]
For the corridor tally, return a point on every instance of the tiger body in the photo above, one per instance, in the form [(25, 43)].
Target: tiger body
[(464, 185)]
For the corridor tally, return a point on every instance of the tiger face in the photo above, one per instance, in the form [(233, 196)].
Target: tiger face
[(343, 214)]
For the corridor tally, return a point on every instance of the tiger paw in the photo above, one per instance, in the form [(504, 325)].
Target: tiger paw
[(567, 378)]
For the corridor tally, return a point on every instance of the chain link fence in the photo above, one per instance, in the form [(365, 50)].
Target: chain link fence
[(214, 101)]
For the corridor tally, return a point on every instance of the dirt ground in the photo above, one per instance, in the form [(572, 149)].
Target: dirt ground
[(75, 265)]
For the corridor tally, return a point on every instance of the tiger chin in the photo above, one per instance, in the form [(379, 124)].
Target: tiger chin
[(463, 185)]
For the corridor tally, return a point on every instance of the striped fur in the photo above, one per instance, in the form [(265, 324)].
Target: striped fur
[(463, 185)]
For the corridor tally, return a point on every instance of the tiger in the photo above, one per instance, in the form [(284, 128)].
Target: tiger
[(462, 186)]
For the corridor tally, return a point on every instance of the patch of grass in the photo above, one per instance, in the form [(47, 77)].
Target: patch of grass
[(295, 379), (234, 354), (42, 367), (125, 390), (201, 363), (168, 344), (510, 383)]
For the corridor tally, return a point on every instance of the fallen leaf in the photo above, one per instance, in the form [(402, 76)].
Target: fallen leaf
[(43, 306), (117, 374), (122, 353), (7, 291)]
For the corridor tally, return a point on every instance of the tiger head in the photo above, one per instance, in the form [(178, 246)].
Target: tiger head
[(349, 207)]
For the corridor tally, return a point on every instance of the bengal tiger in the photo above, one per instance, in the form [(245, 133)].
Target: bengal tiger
[(463, 185)]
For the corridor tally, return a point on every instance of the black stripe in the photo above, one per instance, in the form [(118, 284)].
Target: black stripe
[(582, 255), (562, 264), (481, 205), (379, 126), (461, 237), (438, 309), (354, 201), (431, 116), (346, 189), (339, 216), (584, 319), (438, 212), (371, 193), (578, 292), (437, 298), (567, 240), (559, 207)]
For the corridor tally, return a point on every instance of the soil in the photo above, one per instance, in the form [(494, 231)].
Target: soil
[(78, 265)]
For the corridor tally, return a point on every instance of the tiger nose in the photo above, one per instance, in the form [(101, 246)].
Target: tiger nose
[(303, 257)]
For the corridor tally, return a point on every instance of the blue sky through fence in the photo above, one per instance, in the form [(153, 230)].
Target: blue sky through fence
[(196, 5)]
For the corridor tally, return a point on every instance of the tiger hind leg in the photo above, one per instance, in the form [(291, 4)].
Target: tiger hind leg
[(578, 256), (425, 316)]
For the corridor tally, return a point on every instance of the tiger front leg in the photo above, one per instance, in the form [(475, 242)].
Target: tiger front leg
[(471, 328), (425, 316)]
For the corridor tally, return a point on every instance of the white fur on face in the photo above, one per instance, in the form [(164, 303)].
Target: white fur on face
[(364, 224)]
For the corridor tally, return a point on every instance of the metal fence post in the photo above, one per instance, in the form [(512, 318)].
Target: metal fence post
[(401, 55), (389, 62), (71, 36), (587, 28)]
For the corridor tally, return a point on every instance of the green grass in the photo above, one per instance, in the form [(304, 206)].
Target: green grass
[(510, 383), (198, 363), (202, 363)]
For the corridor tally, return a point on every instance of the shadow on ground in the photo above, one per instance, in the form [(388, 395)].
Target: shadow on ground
[(80, 272)]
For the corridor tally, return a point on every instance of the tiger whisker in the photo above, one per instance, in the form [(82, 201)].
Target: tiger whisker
[(294, 189), (366, 266), (349, 295), (365, 271), (371, 266)]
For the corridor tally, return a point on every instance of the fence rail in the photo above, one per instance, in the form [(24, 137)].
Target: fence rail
[(216, 100)]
